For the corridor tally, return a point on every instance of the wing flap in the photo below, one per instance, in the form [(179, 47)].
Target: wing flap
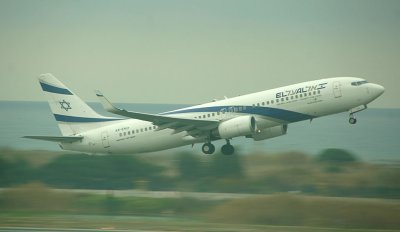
[(60, 139)]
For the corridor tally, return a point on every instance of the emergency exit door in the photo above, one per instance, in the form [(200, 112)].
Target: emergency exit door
[(104, 139)]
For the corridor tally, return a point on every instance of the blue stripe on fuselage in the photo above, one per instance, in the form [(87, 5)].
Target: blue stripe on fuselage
[(280, 114), (65, 118), (54, 89), (286, 115)]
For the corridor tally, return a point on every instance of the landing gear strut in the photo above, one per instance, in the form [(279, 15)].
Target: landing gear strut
[(352, 119), (227, 149), (208, 148)]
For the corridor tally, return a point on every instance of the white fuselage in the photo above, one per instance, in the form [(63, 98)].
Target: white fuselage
[(270, 108)]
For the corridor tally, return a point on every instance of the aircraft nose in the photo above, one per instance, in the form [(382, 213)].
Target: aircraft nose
[(377, 90)]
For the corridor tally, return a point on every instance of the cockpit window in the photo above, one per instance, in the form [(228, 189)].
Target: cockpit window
[(357, 83)]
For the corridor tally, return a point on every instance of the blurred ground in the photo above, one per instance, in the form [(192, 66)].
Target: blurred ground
[(124, 223), (184, 192)]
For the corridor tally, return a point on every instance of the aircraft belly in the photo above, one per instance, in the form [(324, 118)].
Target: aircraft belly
[(153, 141)]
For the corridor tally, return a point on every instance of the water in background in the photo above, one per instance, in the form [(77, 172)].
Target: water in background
[(373, 138)]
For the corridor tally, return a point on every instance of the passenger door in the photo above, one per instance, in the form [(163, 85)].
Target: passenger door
[(337, 92)]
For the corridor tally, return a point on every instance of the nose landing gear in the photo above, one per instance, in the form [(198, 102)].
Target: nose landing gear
[(352, 119)]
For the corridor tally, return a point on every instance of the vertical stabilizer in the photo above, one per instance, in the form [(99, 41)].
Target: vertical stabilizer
[(71, 113)]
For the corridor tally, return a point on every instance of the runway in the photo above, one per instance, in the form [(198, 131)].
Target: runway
[(36, 229), (159, 194)]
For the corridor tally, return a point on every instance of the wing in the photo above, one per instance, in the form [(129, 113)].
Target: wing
[(61, 139), (194, 127)]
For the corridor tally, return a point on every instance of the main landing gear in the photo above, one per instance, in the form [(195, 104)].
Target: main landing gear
[(209, 148), (227, 149)]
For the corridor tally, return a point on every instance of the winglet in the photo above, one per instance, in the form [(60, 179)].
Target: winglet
[(106, 103)]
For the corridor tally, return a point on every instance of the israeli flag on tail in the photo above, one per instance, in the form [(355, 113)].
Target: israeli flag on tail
[(72, 114)]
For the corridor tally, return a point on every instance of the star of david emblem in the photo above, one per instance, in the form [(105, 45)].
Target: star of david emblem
[(65, 105)]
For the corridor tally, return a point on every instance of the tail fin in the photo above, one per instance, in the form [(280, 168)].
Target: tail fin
[(72, 114)]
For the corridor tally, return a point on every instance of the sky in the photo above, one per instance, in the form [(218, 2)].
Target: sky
[(190, 52)]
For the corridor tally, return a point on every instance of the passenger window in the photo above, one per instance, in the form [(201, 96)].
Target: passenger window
[(145, 129), (258, 104), (141, 129), (124, 133), (272, 101), (137, 130), (208, 115), (129, 133), (213, 114), (277, 100), (263, 103), (218, 113), (287, 98), (120, 134)]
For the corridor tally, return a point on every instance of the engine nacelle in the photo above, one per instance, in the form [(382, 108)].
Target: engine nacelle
[(268, 133), (239, 126)]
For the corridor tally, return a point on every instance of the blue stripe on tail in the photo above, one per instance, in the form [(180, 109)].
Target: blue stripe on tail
[(54, 89)]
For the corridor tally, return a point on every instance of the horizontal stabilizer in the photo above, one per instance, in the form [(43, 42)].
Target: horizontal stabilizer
[(61, 139)]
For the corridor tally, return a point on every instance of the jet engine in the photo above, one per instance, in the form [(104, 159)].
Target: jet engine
[(239, 126), (268, 133)]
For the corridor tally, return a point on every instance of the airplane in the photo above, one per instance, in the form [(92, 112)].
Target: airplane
[(258, 116)]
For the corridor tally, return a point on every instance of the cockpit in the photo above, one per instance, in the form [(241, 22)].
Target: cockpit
[(358, 83)]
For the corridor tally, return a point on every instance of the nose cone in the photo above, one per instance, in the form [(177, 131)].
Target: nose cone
[(376, 90), (379, 90)]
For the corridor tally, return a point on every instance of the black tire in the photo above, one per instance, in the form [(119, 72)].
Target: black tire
[(208, 148), (227, 149), (352, 120)]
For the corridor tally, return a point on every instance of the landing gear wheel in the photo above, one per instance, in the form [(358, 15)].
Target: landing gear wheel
[(227, 149), (208, 148), (352, 120)]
